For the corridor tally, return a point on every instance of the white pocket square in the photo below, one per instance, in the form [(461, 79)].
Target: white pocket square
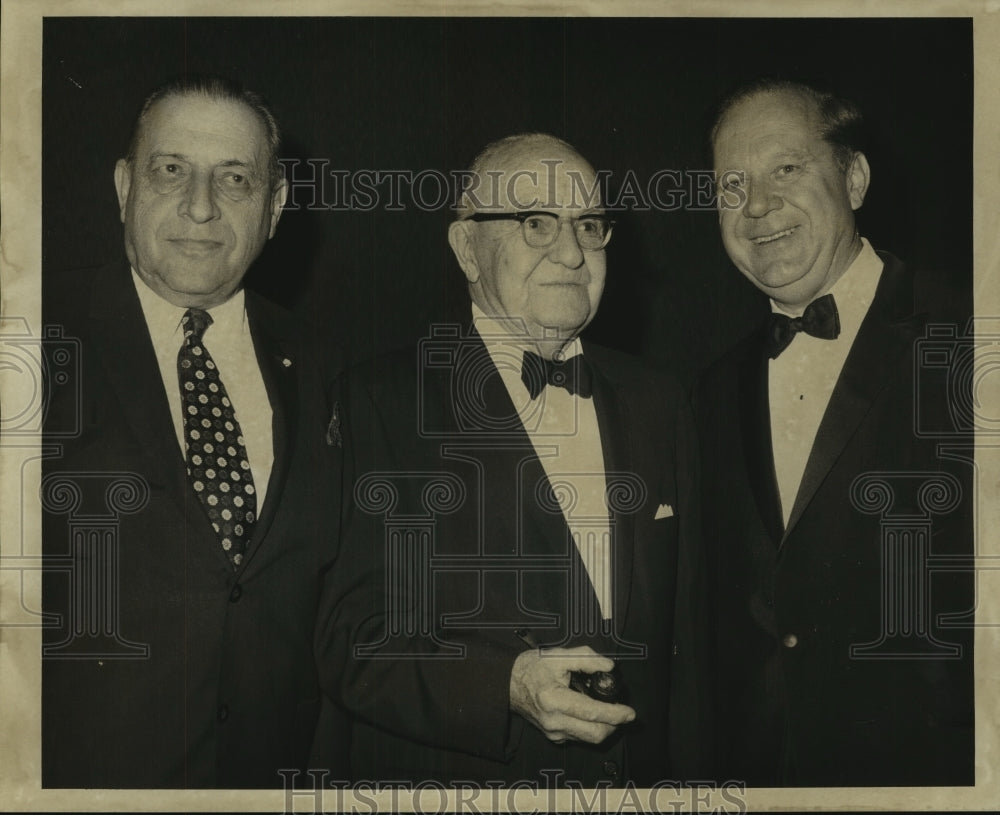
[(663, 511)]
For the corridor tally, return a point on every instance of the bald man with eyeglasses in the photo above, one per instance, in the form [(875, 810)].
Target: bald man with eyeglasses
[(520, 581)]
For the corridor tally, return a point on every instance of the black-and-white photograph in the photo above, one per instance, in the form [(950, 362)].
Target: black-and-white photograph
[(481, 413)]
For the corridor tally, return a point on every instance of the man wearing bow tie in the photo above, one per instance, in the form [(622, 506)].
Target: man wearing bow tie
[(183, 575), (553, 482), (837, 661)]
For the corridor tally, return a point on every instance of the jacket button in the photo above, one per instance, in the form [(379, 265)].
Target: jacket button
[(611, 769), (789, 640), (223, 713), (236, 593)]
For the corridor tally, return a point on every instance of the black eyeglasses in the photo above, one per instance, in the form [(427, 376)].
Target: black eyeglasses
[(540, 229)]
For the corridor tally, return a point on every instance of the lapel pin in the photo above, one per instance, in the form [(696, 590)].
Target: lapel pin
[(286, 362)]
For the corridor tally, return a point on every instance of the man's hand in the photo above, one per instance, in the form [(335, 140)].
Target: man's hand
[(540, 692)]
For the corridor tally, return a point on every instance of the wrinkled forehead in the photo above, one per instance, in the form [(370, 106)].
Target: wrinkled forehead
[(767, 119), (543, 180), (768, 116), (196, 118)]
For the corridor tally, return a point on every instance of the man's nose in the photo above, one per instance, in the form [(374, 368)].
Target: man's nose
[(565, 248), (761, 199), (198, 201)]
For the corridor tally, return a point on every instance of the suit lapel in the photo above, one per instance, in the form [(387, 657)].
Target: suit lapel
[(501, 427), (126, 351), (888, 331), (278, 367), (544, 528), (755, 419), (613, 423)]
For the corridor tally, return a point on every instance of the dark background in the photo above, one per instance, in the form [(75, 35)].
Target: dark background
[(414, 94)]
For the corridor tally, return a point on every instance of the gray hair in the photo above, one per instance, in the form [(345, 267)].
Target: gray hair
[(219, 89), (502, 151), (841, 122)]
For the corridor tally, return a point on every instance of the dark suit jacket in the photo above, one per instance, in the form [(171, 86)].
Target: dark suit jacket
[(796, 706), (163, 667), (488, 550)]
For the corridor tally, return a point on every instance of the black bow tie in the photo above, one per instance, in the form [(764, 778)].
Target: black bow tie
[(820, 319), (574, 374)]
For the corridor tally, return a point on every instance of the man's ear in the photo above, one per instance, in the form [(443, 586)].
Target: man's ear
[(460, 240), (858, 178), (123, 180), (278, 196)]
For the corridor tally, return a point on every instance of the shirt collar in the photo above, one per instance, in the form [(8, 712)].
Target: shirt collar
[(507, 332), (855, 289), (164, 318)]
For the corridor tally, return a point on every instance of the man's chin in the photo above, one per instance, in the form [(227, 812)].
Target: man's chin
[(189, 288), (563, 327), (776, 278), (567, 318), (794, 295)]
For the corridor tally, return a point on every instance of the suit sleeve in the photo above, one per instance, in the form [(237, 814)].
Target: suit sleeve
[(377, 646)]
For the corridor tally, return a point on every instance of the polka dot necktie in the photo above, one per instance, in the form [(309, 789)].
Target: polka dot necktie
[(217, 464)]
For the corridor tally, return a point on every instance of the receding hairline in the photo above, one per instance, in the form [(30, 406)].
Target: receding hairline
[(837, 120), (142, 123), (520, 152), (811, 101), (513, 152), (218, 90)]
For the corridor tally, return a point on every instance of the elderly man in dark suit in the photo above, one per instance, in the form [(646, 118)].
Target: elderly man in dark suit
[(182, 538), (837, 477), (523, 520)]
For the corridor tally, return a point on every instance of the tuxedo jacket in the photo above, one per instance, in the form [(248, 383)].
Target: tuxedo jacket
[(843, 642), (455, 539), (162, 666)]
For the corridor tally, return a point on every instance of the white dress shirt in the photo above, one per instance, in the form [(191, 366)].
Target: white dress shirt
[(229, 342), (564, 432), (802, 378)]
